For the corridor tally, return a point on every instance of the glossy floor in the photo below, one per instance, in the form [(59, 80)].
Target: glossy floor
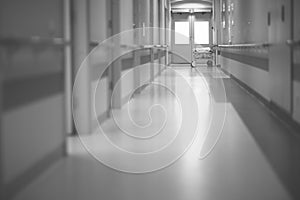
[(168, 141)]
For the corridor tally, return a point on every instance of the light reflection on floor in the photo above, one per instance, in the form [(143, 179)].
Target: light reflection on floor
[(235, 169)]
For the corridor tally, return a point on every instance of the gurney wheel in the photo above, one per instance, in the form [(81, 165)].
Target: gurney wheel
[(193, 64), (209, 63)]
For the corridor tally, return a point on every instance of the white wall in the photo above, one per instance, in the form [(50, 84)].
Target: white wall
[(98, 20), (30, 133), (32, 130), (247, 23), (255, 78), (243, 26), (296, 112), (296, 63), (126, 21), (127, 83), (145, 73), (99, 101)]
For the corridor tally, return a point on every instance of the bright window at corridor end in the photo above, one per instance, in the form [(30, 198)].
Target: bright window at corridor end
[(182, 32), (201, 31)]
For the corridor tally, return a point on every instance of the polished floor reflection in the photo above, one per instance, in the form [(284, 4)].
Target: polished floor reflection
[(254, 157)]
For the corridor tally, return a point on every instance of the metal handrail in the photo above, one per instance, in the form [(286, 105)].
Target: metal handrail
[(162, 46), (34, 41), (129, 46), (235, 46), (293, 43), (94, 43), (156, 46)]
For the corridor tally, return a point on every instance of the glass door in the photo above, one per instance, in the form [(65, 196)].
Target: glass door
[(201, 32), (191, 33), (201, 39)]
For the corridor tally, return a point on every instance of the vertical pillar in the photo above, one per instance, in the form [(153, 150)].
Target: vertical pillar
[(1, 139), (136, 54), (80, 51), (68, 68), (152, 64), (296, 61), (137, 71), (152, 41), (216, 27), (161, 31), (2, 190), (169, 33), (192, 37), (166, 35), (116, 67)]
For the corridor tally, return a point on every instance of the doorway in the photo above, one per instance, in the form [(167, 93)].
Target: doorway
[(191, 30)]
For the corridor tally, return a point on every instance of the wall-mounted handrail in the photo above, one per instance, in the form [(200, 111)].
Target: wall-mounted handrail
[(161, 46), (238, 46), (33, 41), (293, 43), (156, 46), (94, 44), (132, 46), (129, 46), (148, 46), (123, 46)]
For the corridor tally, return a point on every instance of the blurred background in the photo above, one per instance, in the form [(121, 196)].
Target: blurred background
[(250, 43)]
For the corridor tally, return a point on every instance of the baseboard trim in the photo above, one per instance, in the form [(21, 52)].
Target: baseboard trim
[(126, 99), (100, 119), (103, 117), (15, 186), (247, 88), (253, 61), (280, 113)]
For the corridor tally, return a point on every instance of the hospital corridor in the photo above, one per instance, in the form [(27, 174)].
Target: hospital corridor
[(149, 100)]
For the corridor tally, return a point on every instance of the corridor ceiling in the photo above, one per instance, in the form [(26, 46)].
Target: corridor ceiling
[(191, 4)]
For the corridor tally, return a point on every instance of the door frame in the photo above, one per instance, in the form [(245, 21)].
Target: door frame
[(192, 18), (187, 18)]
